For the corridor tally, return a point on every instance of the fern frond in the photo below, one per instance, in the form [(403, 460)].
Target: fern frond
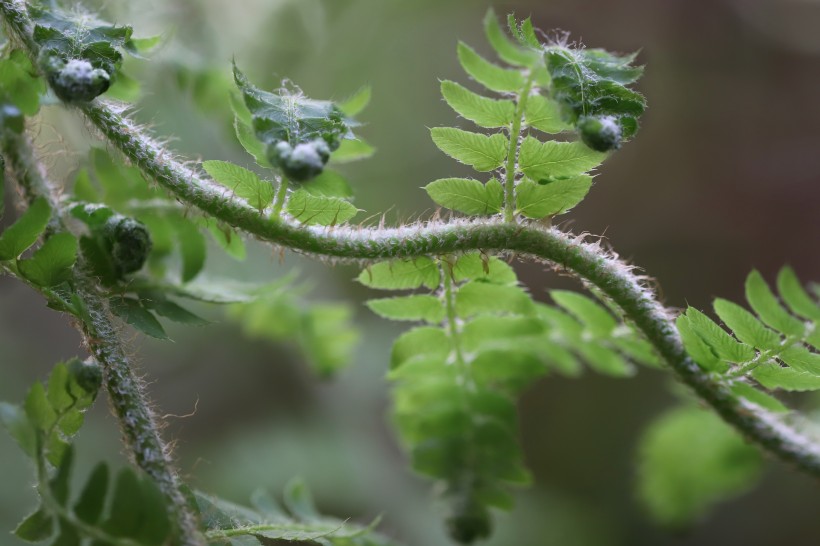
[(267, 522), (457, 377), (775, 346), (538, 179)]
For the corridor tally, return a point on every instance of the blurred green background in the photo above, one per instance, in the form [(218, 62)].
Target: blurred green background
[(724, 176)]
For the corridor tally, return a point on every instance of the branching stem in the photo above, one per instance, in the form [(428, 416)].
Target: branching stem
[(512, 152), (588, 261), (139, 425)]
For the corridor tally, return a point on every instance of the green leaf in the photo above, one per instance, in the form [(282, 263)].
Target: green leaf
[(416, 307), (90, 504), (228, 240), (425, 341), (487, 74), (724, 345), (192, 248), (557, 197), (132, 312), (551, 160), (475, 266), (25, 231), (124, 514), (478, 297), (39, 411), (298, 500), (544, 114), (772, 376), (244, 183), (689, 461), (765, 304), (795, 297), (524, 32), (19, 83), (745, 326), (755, 396), (352, 150), (247, 138), (52, 262), (328, 337), (329, 184), (594, 317), (314, 209), (697, 348), (172, 311), (506, 49), (482, 152), (480, 110), (403, 274), (604, 360), (16, 421), (36, 527), (357, 102), (467, 195), (801, 359)]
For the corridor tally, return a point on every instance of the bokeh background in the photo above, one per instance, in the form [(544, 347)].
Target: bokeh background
[(723, 177)]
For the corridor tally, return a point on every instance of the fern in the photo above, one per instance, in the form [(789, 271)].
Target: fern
[(458, 376), (775, 347), (531, 178), (116, 246), (266, 523)]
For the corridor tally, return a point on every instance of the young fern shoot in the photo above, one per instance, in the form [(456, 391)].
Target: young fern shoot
[(117, 246)]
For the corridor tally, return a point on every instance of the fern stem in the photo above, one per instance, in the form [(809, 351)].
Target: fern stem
[(452, 319), (138, 424), (512, 152), (588, 261), (612, 277), (281, 195)]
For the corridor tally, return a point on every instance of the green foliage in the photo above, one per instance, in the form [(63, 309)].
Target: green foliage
[(467, 195), (80, 55), (690, 460), (244, 183), (481, 339), (298, 133), (776, 346), (483, 153), (17, 238), (19, 84), (107, 188), (542, 179), (323, 331), (456, 378), (52, 413), (310, 208), (269, 523), (592, 87)]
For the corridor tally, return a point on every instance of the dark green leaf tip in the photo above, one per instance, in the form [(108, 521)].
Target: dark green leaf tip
[(299, 134), (592, 87)]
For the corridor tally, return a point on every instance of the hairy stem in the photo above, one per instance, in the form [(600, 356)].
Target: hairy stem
[(139, 425), (588, 261), (512, 152), (281, 195)]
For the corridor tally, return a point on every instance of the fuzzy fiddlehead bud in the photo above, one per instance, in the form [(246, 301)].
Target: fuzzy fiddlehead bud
[(601, 133), (75, 80), (301, 162), (88, 375), (128, 242)]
